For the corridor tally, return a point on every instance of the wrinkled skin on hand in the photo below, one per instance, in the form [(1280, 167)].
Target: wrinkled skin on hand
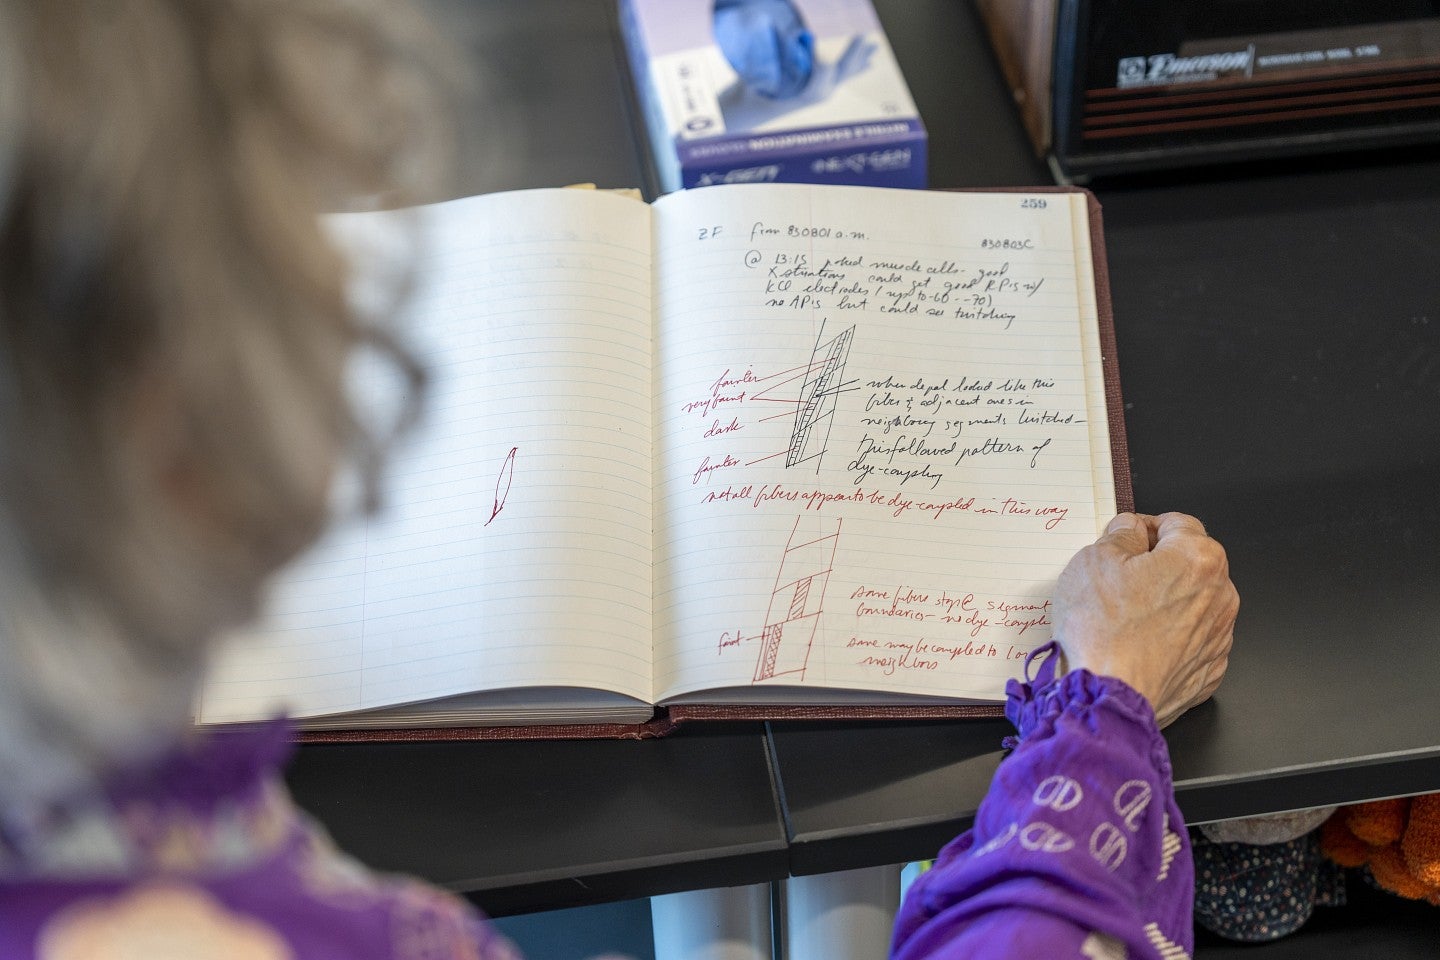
[(1150, 603)]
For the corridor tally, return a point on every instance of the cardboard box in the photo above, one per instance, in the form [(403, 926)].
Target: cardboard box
[(854, 121)]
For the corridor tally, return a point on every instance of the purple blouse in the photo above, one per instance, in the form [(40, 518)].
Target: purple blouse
[(1078, 849), (207, 857)]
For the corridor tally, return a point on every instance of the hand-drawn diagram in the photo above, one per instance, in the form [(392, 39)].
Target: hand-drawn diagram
[(798, 599), (824, 382), (502, 484)]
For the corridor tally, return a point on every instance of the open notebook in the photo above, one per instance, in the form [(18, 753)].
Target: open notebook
[(761, 447)]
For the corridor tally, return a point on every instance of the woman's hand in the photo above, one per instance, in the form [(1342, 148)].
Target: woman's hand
[(1150, 603)]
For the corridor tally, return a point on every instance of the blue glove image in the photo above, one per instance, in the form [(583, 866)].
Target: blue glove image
[(767, 44)]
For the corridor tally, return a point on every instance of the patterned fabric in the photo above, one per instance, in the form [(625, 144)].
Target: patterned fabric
[(1078, 850), (1259, 892), (205, 856)]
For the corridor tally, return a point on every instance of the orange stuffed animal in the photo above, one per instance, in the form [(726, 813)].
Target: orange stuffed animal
[(1399, 840)]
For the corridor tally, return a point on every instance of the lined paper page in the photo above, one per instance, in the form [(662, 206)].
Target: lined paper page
[(514, 548), (1094, 366), (881, 435)]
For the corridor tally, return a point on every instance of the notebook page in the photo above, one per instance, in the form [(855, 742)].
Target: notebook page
[(879, 435), (514, 547), (1099, 414)]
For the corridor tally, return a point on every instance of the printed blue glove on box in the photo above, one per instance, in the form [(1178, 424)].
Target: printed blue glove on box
[(768, 45), (739, 91)]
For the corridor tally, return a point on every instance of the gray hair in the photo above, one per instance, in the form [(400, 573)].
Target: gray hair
[(174, 329)]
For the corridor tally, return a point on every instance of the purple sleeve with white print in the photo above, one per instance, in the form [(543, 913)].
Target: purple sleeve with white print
[(1078, 850)]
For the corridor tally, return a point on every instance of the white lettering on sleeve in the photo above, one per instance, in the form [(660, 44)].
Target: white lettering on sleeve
[(1044, 838), (1131, 802), (1168, 948), (1108, 846), (1058, 793), (997, 841), (1169, 847)]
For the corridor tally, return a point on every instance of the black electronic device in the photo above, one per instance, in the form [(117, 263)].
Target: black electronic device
[(1110, 86)]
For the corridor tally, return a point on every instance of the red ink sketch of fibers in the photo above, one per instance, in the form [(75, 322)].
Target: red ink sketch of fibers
[(797, 602), (824, 382), (502, 484)]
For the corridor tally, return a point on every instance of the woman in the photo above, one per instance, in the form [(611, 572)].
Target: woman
[(173, 330), (173, 327), (1078, 849)]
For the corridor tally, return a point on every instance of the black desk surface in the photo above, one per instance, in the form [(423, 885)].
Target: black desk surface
[(1279, 339)]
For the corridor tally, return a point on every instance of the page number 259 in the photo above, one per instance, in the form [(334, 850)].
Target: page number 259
[(1032, 203)]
